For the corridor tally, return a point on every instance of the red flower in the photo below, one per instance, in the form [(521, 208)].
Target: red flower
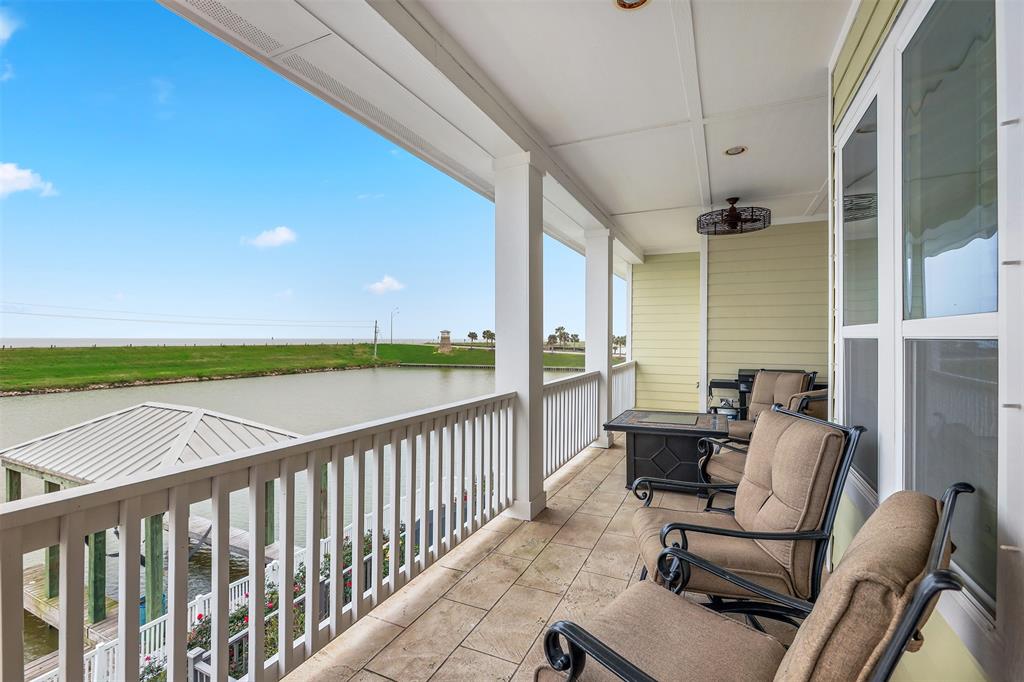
[(147, 659), (245, 619), (270, 604), (246, 595), (199, 616)]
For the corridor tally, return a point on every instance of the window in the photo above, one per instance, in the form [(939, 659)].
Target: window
[(860, 404), (860, 221), (952, 413), (949, 163)]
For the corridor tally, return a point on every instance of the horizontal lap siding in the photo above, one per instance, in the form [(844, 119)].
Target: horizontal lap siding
[(666, 331), (868, 31), (768, 300)]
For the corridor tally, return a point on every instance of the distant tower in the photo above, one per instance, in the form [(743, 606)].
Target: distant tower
[(446, 342)]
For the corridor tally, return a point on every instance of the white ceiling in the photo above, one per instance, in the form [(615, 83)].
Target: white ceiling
[(641, 105), (628, 113)]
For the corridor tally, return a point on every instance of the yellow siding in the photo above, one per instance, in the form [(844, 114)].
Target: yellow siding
[(666, 331), (768, 300), (868, 31), (944, 656)]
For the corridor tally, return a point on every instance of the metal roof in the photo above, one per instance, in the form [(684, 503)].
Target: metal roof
[(138, 439)]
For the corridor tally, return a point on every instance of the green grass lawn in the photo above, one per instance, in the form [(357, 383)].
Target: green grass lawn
[(40, 369)]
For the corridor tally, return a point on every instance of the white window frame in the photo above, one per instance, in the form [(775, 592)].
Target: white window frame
[(983, 634), (862, 493)]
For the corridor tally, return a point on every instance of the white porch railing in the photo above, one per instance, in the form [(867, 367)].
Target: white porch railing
[(570, 418), (623, 387), (460, 454)]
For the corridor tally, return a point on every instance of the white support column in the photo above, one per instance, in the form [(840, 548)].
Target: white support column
[(599, 324), (519, 320)]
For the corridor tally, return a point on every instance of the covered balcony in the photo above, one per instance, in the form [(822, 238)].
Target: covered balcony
[(442, 544)]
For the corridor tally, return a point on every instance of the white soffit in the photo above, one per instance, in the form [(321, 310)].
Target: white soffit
[(763, 52), (640, 105), (785, 145), (557, 59)]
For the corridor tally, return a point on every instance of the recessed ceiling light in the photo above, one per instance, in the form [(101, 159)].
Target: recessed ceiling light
[(630, 4), (735, 151)]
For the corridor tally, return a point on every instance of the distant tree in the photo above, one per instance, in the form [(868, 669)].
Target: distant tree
[(575, 338), (552, 340), (618, 343), (561, 335), (472, 336), (488, 335)]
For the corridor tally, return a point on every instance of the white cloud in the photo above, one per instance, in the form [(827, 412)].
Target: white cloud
[(268, 239), (7, 26), (119, 296), (15, 179), (163, 89), (384, 285), (7, 73), (285, 295)]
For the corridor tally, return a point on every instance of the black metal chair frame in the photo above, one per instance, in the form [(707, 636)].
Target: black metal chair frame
[(819, 536), (581, 644)]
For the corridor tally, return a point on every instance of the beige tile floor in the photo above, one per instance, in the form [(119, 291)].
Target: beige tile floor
[(478, 614)]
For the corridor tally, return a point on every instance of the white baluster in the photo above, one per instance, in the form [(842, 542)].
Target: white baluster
[(336, 486), (286, 558), (257, 578), (220, 578), (409, 510), (177, 582), (128, 589), (71, 636), (313, 497), (395, 511), (11, 605)]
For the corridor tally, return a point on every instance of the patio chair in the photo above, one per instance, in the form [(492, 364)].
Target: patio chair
[(785, 507), (871, 610), (722, 461), (770, 386), (814, 403)]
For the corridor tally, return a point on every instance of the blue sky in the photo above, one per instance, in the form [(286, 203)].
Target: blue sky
[(150, 168)]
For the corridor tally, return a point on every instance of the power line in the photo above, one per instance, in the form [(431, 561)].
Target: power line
[(192, 322), (344, 323)]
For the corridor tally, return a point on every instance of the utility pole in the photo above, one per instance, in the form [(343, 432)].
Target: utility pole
[(375, 339), (393, 313)]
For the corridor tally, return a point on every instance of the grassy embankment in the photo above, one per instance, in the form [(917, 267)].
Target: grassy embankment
[(48, 369)]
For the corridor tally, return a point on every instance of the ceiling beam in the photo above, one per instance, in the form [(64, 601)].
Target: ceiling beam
[(414, 23), (686, 50)]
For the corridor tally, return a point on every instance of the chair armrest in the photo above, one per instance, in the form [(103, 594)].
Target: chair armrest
[(645, 486), (582, 644), (684, 559), (683, 528), (725, 444)]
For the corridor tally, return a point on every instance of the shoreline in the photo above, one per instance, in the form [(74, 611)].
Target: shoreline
[(255, 375)]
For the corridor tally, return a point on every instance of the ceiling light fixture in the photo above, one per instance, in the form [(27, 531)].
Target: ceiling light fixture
[(734, 220), (630, 4), (735, 151)]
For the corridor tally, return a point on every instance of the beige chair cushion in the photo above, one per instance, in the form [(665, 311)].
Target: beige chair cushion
[(772, 387), (739, 555), (858, 609), (817, 404), (672, 638), (790, 469), (726, 466), (741, 428)]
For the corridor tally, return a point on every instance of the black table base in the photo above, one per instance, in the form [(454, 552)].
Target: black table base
[(661, 456)]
